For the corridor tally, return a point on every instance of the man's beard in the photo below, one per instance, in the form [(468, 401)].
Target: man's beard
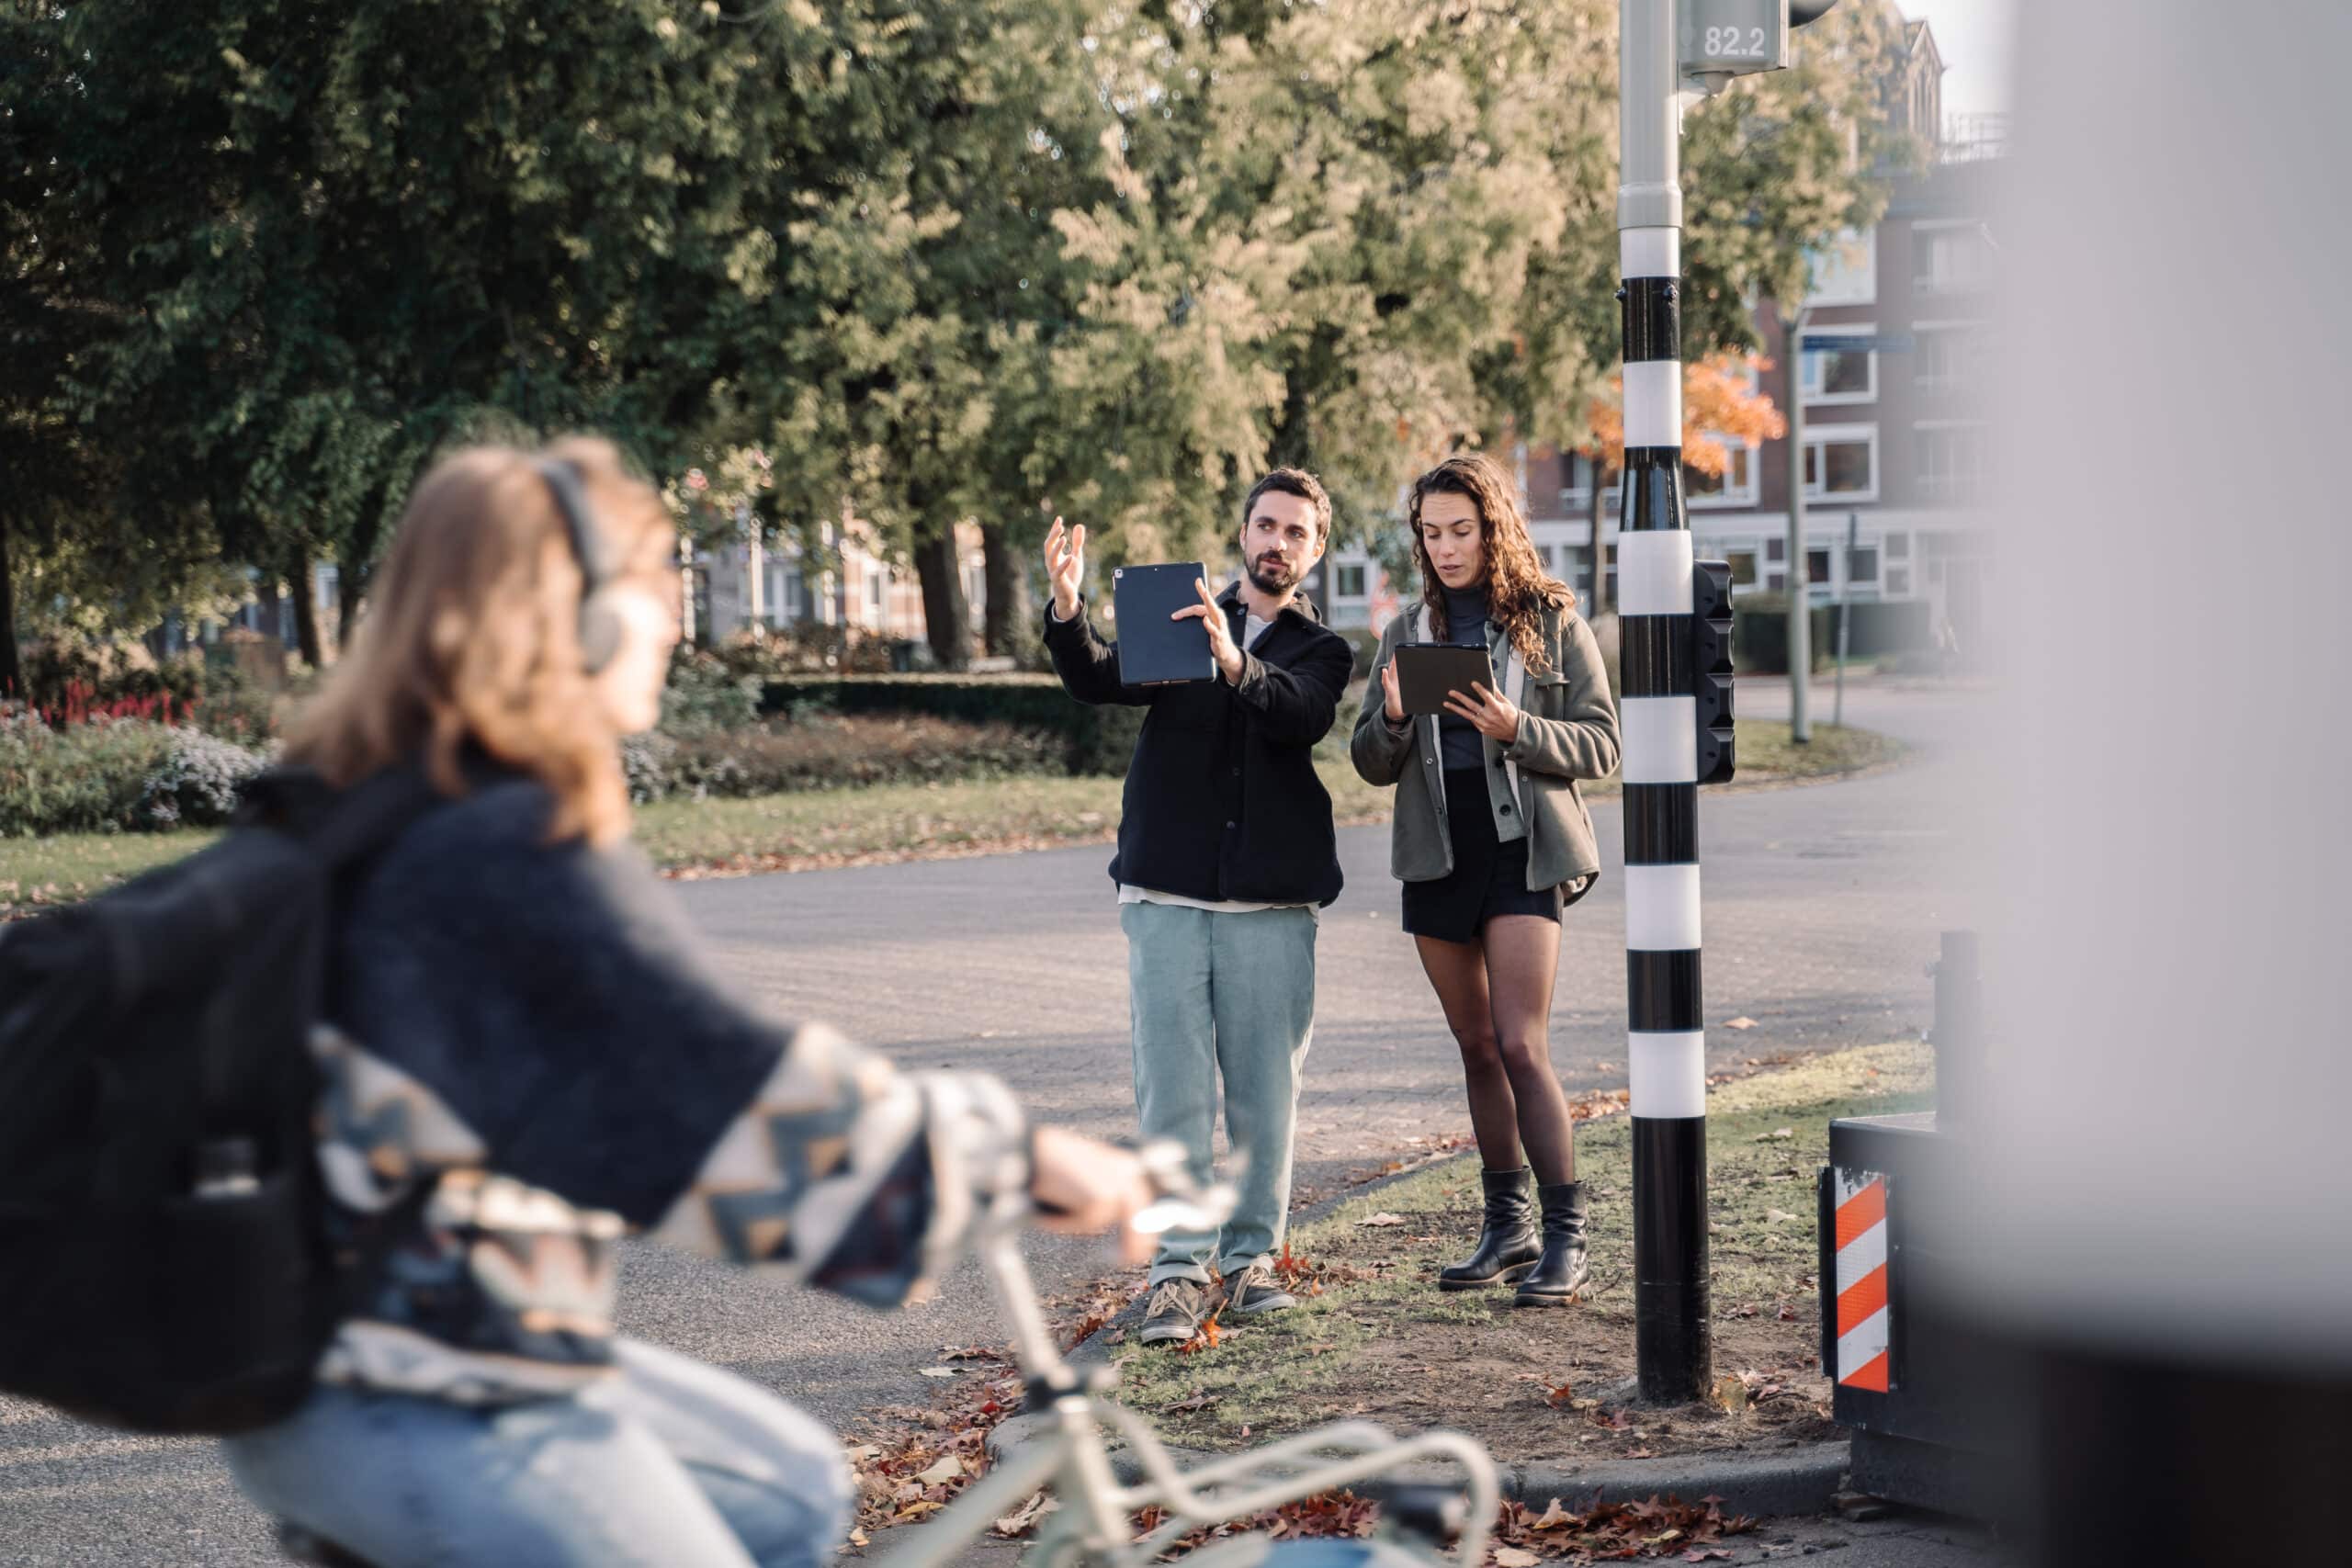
[(1271, 577)]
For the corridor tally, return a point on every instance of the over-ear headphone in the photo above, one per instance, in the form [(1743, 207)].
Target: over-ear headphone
[(600, 624)]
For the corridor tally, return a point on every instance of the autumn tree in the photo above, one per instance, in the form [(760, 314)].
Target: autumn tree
[(1723, 406)]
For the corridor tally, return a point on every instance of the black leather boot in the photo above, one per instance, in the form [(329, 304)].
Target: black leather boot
[(1509, 1244), (1561, 1273)]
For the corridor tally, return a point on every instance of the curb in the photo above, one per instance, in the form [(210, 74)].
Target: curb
[(1794, 1481), (1797, 1481)]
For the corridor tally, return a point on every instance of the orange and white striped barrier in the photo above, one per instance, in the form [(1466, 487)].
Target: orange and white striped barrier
[(1862, 1321)]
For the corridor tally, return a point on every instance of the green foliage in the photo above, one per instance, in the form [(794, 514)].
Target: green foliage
[(705, 697), (261, 261), (1095, 739), (826, 751), (282, 254), (87, 778)]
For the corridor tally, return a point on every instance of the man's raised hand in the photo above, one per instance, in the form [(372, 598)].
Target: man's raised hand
[(1065, 566), (1210, 613)]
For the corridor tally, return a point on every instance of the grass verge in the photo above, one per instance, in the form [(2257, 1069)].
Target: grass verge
[(884, 822), (1375, 1337)]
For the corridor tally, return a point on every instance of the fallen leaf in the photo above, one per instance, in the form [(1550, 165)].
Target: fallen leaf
[(1513, 1557), (1025, 1516), (1731, 1393), (1743, 1021), (862, 1450), (1776, 1134), (1554, 1517), (937, 1371), (859, 1538), (1711, 1553), (1383, 1219), (948, 1468), (1201, 1401), (1777, 1216), (916, 1510)]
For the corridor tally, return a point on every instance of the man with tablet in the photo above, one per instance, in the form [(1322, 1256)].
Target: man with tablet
[(1225, 854)]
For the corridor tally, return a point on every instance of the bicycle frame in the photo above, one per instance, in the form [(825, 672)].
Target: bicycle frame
[(1093, 1524)]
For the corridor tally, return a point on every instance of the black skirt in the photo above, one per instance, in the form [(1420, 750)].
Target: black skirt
[(1488, 878)]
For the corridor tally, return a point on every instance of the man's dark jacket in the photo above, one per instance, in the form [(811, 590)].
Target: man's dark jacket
[(1222, 800)]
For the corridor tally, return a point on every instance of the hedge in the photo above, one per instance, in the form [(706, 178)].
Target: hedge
[(1096, 739)]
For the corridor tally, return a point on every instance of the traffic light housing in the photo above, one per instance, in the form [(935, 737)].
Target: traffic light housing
[(1710, 667)]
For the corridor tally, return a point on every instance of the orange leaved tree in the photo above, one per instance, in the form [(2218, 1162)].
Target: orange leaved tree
[(1722, 404)]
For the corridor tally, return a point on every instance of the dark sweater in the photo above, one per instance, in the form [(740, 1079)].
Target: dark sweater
[(1222, 800), (553, 996)]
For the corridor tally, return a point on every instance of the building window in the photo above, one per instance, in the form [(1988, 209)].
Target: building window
[(1845, 272), (1351, 580), (1816, 567), (1899, 547), (1576, 482), (1776, 581), (1862, 564), (1947, 356), (1743, 568), (1841, 462), (1898, 580), (874, 588), (1951, 258), (1950, 459), (1839, 375), (1776, 549), (1736, 486)]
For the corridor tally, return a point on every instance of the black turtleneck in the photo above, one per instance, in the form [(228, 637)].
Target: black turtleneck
[(1459, 743)]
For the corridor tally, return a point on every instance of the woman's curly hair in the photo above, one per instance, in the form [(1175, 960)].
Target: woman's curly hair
[(1517, 588)]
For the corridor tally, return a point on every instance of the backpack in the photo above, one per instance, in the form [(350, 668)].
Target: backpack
[(163, 1262)]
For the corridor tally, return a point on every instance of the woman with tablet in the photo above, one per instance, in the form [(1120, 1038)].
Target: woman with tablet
[(1492, 842)]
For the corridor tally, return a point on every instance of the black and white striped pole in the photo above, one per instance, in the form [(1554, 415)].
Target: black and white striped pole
[(1675, 630), (1666, 1051)]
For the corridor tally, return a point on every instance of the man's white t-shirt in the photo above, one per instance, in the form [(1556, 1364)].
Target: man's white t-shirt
[(1252, 628)]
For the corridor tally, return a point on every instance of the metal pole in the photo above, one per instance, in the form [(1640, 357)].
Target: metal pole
[(1799, 600), (1666, 1040), (1846, 612)]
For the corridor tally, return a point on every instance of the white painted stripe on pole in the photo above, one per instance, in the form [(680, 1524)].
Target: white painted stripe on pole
[(1649, 253), (1653, 572), (1654, 404), (1860, 1256), (1661, 743), (1662, 907), (1861, 1344), (1668, 1073)]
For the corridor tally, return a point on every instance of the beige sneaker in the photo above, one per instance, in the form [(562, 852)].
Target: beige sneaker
[(1174, 1313)]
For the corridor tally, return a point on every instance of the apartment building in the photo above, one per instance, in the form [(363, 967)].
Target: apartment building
[(849, 584)]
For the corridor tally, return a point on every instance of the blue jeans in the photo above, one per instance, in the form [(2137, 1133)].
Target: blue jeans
[(1228, 995), (671, 1464)]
